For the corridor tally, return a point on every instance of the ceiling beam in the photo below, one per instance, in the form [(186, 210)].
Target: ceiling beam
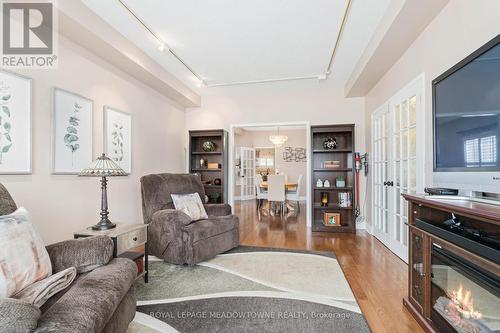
[(403, 22), (79, 24)]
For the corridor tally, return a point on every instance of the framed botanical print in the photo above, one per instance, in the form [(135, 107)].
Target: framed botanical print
[(72, 137), (15, 123), (118, 137)]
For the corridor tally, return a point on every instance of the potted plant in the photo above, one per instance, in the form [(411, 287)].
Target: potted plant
[(340, 181)]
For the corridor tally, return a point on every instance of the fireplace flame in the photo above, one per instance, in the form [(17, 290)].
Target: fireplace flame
[(464, 303)]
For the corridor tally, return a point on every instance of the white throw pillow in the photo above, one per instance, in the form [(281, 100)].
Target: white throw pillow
[(191, 205), (23, 257)]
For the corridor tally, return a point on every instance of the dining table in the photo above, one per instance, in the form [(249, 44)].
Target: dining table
[(288, 186)]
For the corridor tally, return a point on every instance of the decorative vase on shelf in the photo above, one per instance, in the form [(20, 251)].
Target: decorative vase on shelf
[(324, 199), (319, 183), (330, 143), (326, 183), (208, 146), (202, 163), (340, 182)]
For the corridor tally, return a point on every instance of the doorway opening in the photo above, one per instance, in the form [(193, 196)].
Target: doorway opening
[(257, 152)]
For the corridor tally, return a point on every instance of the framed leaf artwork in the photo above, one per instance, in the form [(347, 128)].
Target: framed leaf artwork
[(15, 123), (72, 138), (118, 137)]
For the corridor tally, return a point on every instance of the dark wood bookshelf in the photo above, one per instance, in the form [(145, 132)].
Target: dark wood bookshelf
[(344, 155), (220, 155)]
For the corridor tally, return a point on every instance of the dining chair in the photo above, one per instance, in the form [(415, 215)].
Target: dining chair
[(295, 195), (261, 194), (276, 191)]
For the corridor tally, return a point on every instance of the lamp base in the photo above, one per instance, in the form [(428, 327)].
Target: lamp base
[(104, 225)]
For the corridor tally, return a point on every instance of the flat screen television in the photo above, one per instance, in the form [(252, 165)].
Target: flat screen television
[(466, 109)]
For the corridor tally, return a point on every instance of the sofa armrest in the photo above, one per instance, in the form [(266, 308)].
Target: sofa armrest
[(85, 254), (165, 235), (218, 209), (18, 316), (171, 216)]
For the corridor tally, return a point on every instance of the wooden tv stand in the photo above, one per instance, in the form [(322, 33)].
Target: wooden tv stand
[(480, 215)]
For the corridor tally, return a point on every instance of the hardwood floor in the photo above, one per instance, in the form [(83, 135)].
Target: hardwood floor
[(377, 277)]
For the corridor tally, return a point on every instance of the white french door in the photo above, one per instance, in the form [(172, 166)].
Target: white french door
[(247, 175), (398, 164)]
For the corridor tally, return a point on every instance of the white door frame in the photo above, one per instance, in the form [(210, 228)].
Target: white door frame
[(231, 177), (417, 84)]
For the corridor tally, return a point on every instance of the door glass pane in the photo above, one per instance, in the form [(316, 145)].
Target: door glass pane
[(398, 200), (386, 125), (404, 112), (398, 178), (413, 142), (404, 144), (397, 118), (413, 110), (384, 149), (413, 175), (404, 174), (386, 170), (398, 146)]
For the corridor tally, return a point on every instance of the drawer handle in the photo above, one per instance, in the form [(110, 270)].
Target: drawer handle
[(134, 239)]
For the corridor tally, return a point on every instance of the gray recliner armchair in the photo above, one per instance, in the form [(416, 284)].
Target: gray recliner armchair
[(171, 234)]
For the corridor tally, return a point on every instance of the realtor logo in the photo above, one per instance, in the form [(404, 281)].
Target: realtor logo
[(28, 34)]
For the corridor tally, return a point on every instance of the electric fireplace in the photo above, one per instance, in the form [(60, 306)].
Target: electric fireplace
[(464, 297)]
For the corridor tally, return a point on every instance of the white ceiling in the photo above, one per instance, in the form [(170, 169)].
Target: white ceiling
[(230, 41)]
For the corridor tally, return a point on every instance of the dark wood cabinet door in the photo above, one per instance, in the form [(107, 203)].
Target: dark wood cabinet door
[(417, 269)]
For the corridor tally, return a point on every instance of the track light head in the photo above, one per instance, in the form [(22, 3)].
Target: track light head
[(162, 47)]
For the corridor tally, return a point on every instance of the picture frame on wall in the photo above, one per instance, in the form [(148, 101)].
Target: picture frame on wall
[(15, 123), (118, 137), (72, 132)]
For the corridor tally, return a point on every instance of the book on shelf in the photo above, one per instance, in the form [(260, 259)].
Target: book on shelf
[(331, 164)]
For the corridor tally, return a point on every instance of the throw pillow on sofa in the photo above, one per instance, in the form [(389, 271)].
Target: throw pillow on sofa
[(23, 258), (191, 205)]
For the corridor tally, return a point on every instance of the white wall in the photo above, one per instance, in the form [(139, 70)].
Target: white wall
[(319, 102), (60, 204), (460, 28)]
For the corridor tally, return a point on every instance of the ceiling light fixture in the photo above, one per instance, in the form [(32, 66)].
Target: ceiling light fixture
[(278, 140), (161, 47)]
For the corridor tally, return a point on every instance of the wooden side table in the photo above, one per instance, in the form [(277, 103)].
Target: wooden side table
[(125, 237)]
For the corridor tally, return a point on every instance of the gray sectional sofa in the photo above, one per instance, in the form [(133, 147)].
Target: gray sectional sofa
[(102, 296)]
